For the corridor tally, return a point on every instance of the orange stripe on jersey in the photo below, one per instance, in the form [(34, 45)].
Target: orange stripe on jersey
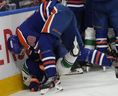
[(97, 57), (49, 62), (48, 22), (46, 26), (104, 42), (53, 11), (22, 39)]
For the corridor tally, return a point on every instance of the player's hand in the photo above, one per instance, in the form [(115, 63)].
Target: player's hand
[(34, 85)]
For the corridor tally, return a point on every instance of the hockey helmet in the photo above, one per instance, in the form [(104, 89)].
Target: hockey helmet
[(14, 44)]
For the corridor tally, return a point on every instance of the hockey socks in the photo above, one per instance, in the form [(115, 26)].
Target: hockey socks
[(99, 58), (90, 38), (94, 57), (71, 57), (64, 64)]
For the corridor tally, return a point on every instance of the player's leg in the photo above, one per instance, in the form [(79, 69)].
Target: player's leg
[(101, 30), (114, 23), (112, 39), (89, 42), (64, 64), (47, 41), (79, 13), (89, 32), (94, 57), (90, 56)]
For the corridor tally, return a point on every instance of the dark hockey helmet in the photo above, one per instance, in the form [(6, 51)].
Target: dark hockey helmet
[(14, 44)]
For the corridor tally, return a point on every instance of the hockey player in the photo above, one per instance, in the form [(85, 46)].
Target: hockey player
[(49, 62), (108, 11), (33, 71), (51, 31), (105, 10), (102, 16)]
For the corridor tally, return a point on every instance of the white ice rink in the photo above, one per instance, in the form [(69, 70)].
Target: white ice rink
[(94, 83)]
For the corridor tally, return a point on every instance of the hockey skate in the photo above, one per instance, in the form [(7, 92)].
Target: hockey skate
[(76, 71), (104, 68), (76, 68)]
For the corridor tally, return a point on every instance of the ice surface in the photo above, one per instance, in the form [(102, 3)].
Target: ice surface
[(94, 83)]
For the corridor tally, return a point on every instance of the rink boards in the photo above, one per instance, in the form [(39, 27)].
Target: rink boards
[(10, 77)]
